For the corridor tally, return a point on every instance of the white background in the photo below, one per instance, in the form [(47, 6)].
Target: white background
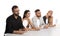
[(43, 5)]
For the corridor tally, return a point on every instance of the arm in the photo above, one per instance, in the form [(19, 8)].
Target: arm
[(18, 32), (43, 25), (30, 23), (22, 27), (9, 28), (34, 23)]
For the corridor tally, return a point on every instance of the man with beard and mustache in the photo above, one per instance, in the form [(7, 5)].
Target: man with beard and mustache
[(14, 22), (38, 20)]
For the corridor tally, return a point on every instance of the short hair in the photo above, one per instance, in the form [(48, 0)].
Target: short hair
[(14, 7), (37, 10)]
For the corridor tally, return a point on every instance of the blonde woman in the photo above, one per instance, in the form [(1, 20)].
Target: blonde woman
[(48, 18)]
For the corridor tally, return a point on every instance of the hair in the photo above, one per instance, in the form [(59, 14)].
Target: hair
[(25, 12), (50, 11), (14, 7), (50, 18), (37, 10)]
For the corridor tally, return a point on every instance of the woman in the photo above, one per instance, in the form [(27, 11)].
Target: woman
[(48, 18), (26, 20)]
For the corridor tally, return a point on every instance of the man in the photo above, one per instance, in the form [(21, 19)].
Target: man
[(38, 20), (47, 18), (14, 22)]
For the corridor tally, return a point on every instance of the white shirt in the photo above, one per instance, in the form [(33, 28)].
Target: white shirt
[(25, 23), (46, 21), (37, 22)]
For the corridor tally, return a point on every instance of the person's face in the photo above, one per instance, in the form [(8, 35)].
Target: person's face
[(38, 14), (28, 14), (16, 11), (50, 13)]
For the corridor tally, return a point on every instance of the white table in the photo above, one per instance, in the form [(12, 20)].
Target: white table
[(55, 31)]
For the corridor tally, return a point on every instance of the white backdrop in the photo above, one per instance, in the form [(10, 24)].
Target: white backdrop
[(43, 5)]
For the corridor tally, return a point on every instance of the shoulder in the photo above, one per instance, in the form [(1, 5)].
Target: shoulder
[(44, 16), (41, 18), (19, 16), (28, 19), (34, 17), (9, 17)]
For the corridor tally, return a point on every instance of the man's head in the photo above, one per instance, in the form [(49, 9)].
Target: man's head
[(50, 12), (38, 13), (15, 10)]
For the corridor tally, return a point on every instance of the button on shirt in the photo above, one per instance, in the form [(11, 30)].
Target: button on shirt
[(13, 24), (38, 22)]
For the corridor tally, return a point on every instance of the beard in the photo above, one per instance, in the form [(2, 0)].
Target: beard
[(39, 16), (16, 14)]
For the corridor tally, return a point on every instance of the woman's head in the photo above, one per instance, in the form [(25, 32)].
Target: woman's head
[(50, 12), (26, 13)]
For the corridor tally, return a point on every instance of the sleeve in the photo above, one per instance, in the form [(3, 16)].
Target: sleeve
[(21, 25), (8, 26)]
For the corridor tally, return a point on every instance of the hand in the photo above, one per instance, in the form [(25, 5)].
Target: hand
[(46, 26), (38, 28), (26, 29), (52, 25), (18, 32)]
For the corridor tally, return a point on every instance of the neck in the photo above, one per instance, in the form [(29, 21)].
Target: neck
[(27, 17), (15, 16), (38, 17), (46, 16)]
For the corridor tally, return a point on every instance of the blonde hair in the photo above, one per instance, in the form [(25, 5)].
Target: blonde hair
[(50, 20)]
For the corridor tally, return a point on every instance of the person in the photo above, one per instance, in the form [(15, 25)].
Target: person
[(27, 21), (48, 18), (14, 22), (38, 20)]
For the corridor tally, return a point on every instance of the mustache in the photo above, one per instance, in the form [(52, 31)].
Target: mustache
[(16, 14)]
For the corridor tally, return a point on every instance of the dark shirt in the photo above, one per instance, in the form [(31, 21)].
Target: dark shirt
[(13, 24), (44, 18)]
